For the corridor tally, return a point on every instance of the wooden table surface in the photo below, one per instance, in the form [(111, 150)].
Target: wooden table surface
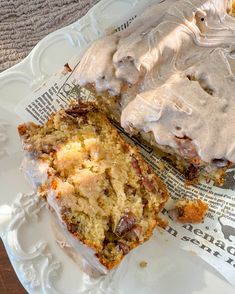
[(9, 283)]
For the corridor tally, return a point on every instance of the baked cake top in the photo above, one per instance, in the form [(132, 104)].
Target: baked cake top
[(174, 70)]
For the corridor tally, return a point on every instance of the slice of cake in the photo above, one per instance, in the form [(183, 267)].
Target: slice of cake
[(102, 191), (169, 78)]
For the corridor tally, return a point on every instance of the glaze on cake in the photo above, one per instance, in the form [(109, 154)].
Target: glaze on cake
[(173, 70)]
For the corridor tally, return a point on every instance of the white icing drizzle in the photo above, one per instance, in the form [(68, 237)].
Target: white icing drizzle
[(179, 61), (37, 173)]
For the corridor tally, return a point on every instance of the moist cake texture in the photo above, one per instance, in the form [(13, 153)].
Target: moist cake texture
[(106, 196), (172, 73)]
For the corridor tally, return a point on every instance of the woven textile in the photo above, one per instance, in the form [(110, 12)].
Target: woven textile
[(25, 22)]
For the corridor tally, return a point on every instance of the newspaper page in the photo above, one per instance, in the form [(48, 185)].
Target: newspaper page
[(214, 238)]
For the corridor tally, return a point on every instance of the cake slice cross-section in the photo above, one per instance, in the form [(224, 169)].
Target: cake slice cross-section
[(106, 197)]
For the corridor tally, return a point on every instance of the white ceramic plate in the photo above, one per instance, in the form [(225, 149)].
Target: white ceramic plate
[(25, 225)]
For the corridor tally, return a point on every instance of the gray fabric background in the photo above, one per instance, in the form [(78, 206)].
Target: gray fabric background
[(25, 22)]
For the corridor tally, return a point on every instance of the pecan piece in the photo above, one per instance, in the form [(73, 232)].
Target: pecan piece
[(186, 147), (191, 172), (149, 185), (79, 109), (135, 234), (135, 165), (125, 248), (126, 223)]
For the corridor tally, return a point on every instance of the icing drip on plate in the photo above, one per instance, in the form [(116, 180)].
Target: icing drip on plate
[(178, 59)]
